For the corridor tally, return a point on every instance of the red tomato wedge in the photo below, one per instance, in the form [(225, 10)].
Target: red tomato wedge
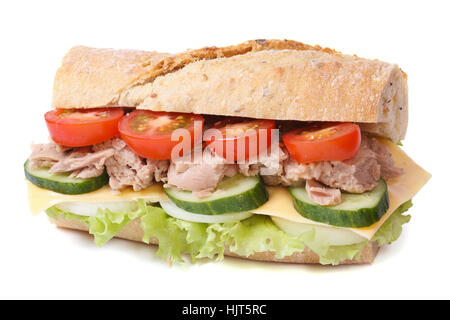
[(323, 142), (241, 139), (82, 127), (149, 133)]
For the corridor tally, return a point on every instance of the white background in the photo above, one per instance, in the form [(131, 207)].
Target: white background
[(39, 261)]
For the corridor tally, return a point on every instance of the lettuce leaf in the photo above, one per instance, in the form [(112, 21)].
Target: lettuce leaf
[(105, 224), (258, 233), (388, 233), (201, 240), (255, 234), (391, 229), (175, 237)]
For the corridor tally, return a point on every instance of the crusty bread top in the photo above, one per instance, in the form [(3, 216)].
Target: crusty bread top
[(91, 77), (273, 79)]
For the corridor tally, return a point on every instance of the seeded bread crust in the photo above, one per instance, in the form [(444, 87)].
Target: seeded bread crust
[(266, 79)]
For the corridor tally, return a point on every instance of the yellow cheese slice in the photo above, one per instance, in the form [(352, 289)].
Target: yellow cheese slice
[(401, 189), (41, 199)]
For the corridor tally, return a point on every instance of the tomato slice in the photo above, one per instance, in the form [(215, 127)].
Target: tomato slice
[(323, 142), (82, 127), (241, 139), (149, 133)]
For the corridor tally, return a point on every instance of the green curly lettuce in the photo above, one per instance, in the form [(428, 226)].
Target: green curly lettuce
[(201, 240), (389, 231), (105, 224), (258, 233), (175, 237), (255, 234)]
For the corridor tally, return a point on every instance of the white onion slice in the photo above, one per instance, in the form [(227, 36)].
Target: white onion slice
[(90, 208), (335, 236), (176, 212)]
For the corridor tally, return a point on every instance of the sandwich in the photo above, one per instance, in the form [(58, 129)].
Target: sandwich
[(269, 150)]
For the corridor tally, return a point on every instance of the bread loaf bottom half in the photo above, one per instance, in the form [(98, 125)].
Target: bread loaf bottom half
[(132, 231)]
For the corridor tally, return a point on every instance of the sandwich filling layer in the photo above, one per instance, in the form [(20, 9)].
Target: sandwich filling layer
[(228, 150), (324, 179), (279, 206)]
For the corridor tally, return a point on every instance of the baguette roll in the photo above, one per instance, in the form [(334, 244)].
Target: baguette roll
[(265, 79)]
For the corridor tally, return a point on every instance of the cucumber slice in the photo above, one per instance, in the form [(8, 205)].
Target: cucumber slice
[(355, 210), (62, 183), (235, 194), (172, 210)]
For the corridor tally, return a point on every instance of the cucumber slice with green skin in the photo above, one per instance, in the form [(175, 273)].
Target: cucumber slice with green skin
[(62, 183), (355, 210), (235, 194)]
